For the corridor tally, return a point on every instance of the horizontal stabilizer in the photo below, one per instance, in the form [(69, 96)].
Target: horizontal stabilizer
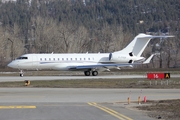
[(149, 59)]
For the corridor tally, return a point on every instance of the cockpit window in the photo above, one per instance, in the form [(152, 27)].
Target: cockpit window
[(22, 58)]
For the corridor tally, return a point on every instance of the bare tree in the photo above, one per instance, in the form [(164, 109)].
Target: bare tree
[(102, 39), (171, 48), (14, 45), (165, 49), (175, 51), (121, 39), (81, 40), (48, 36), (106, 39), (2, 47), (66, 36), (43, 34)]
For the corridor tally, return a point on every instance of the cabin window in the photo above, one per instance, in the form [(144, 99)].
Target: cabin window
[(80, 58), (45, 59), (75, 58), (49, 59), (88, 58), (54, 59), (84, 58), (66, 58), (62, 58), (58, 59), (40, 59), (71, 59)]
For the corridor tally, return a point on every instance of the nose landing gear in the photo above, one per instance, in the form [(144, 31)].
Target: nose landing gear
[(21, 73)]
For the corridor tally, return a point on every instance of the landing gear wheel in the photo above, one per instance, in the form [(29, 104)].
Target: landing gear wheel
[(87, 73), (94, 73), (21, 75)]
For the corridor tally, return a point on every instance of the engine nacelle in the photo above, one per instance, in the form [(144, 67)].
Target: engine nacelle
[(124, 58), (115, 57)]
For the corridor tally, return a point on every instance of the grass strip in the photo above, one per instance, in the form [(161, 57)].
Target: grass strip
[(98, 83)]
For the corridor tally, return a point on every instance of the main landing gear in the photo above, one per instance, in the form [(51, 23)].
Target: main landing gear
[(88, 73)]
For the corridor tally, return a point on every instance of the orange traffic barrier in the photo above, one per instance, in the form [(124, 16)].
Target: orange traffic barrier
[(128, 100), (144, 99), (139, 100)]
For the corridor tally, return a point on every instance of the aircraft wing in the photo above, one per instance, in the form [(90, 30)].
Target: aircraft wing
[(95, 66), (101, 65)]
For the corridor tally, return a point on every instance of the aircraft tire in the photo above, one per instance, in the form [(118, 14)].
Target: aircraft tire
[(21, 75), (94, 73), (87, 73)]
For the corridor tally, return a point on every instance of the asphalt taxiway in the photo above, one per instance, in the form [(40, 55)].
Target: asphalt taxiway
[(18, 78), (76, 103)]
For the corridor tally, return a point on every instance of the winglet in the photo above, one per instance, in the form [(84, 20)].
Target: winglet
[(149, 59)]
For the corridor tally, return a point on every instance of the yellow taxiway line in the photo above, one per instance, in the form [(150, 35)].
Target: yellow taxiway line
[(17, 107), (110, 111)]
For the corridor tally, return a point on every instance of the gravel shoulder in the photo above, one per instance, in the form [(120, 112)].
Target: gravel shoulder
[(163, 109)]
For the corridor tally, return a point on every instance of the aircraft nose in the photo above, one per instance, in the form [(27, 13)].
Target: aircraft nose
[(11, 64)]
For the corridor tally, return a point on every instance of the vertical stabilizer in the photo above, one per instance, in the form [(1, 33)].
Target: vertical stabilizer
[(139, 43)]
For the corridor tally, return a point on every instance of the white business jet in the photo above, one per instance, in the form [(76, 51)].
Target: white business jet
[(90, 63)]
